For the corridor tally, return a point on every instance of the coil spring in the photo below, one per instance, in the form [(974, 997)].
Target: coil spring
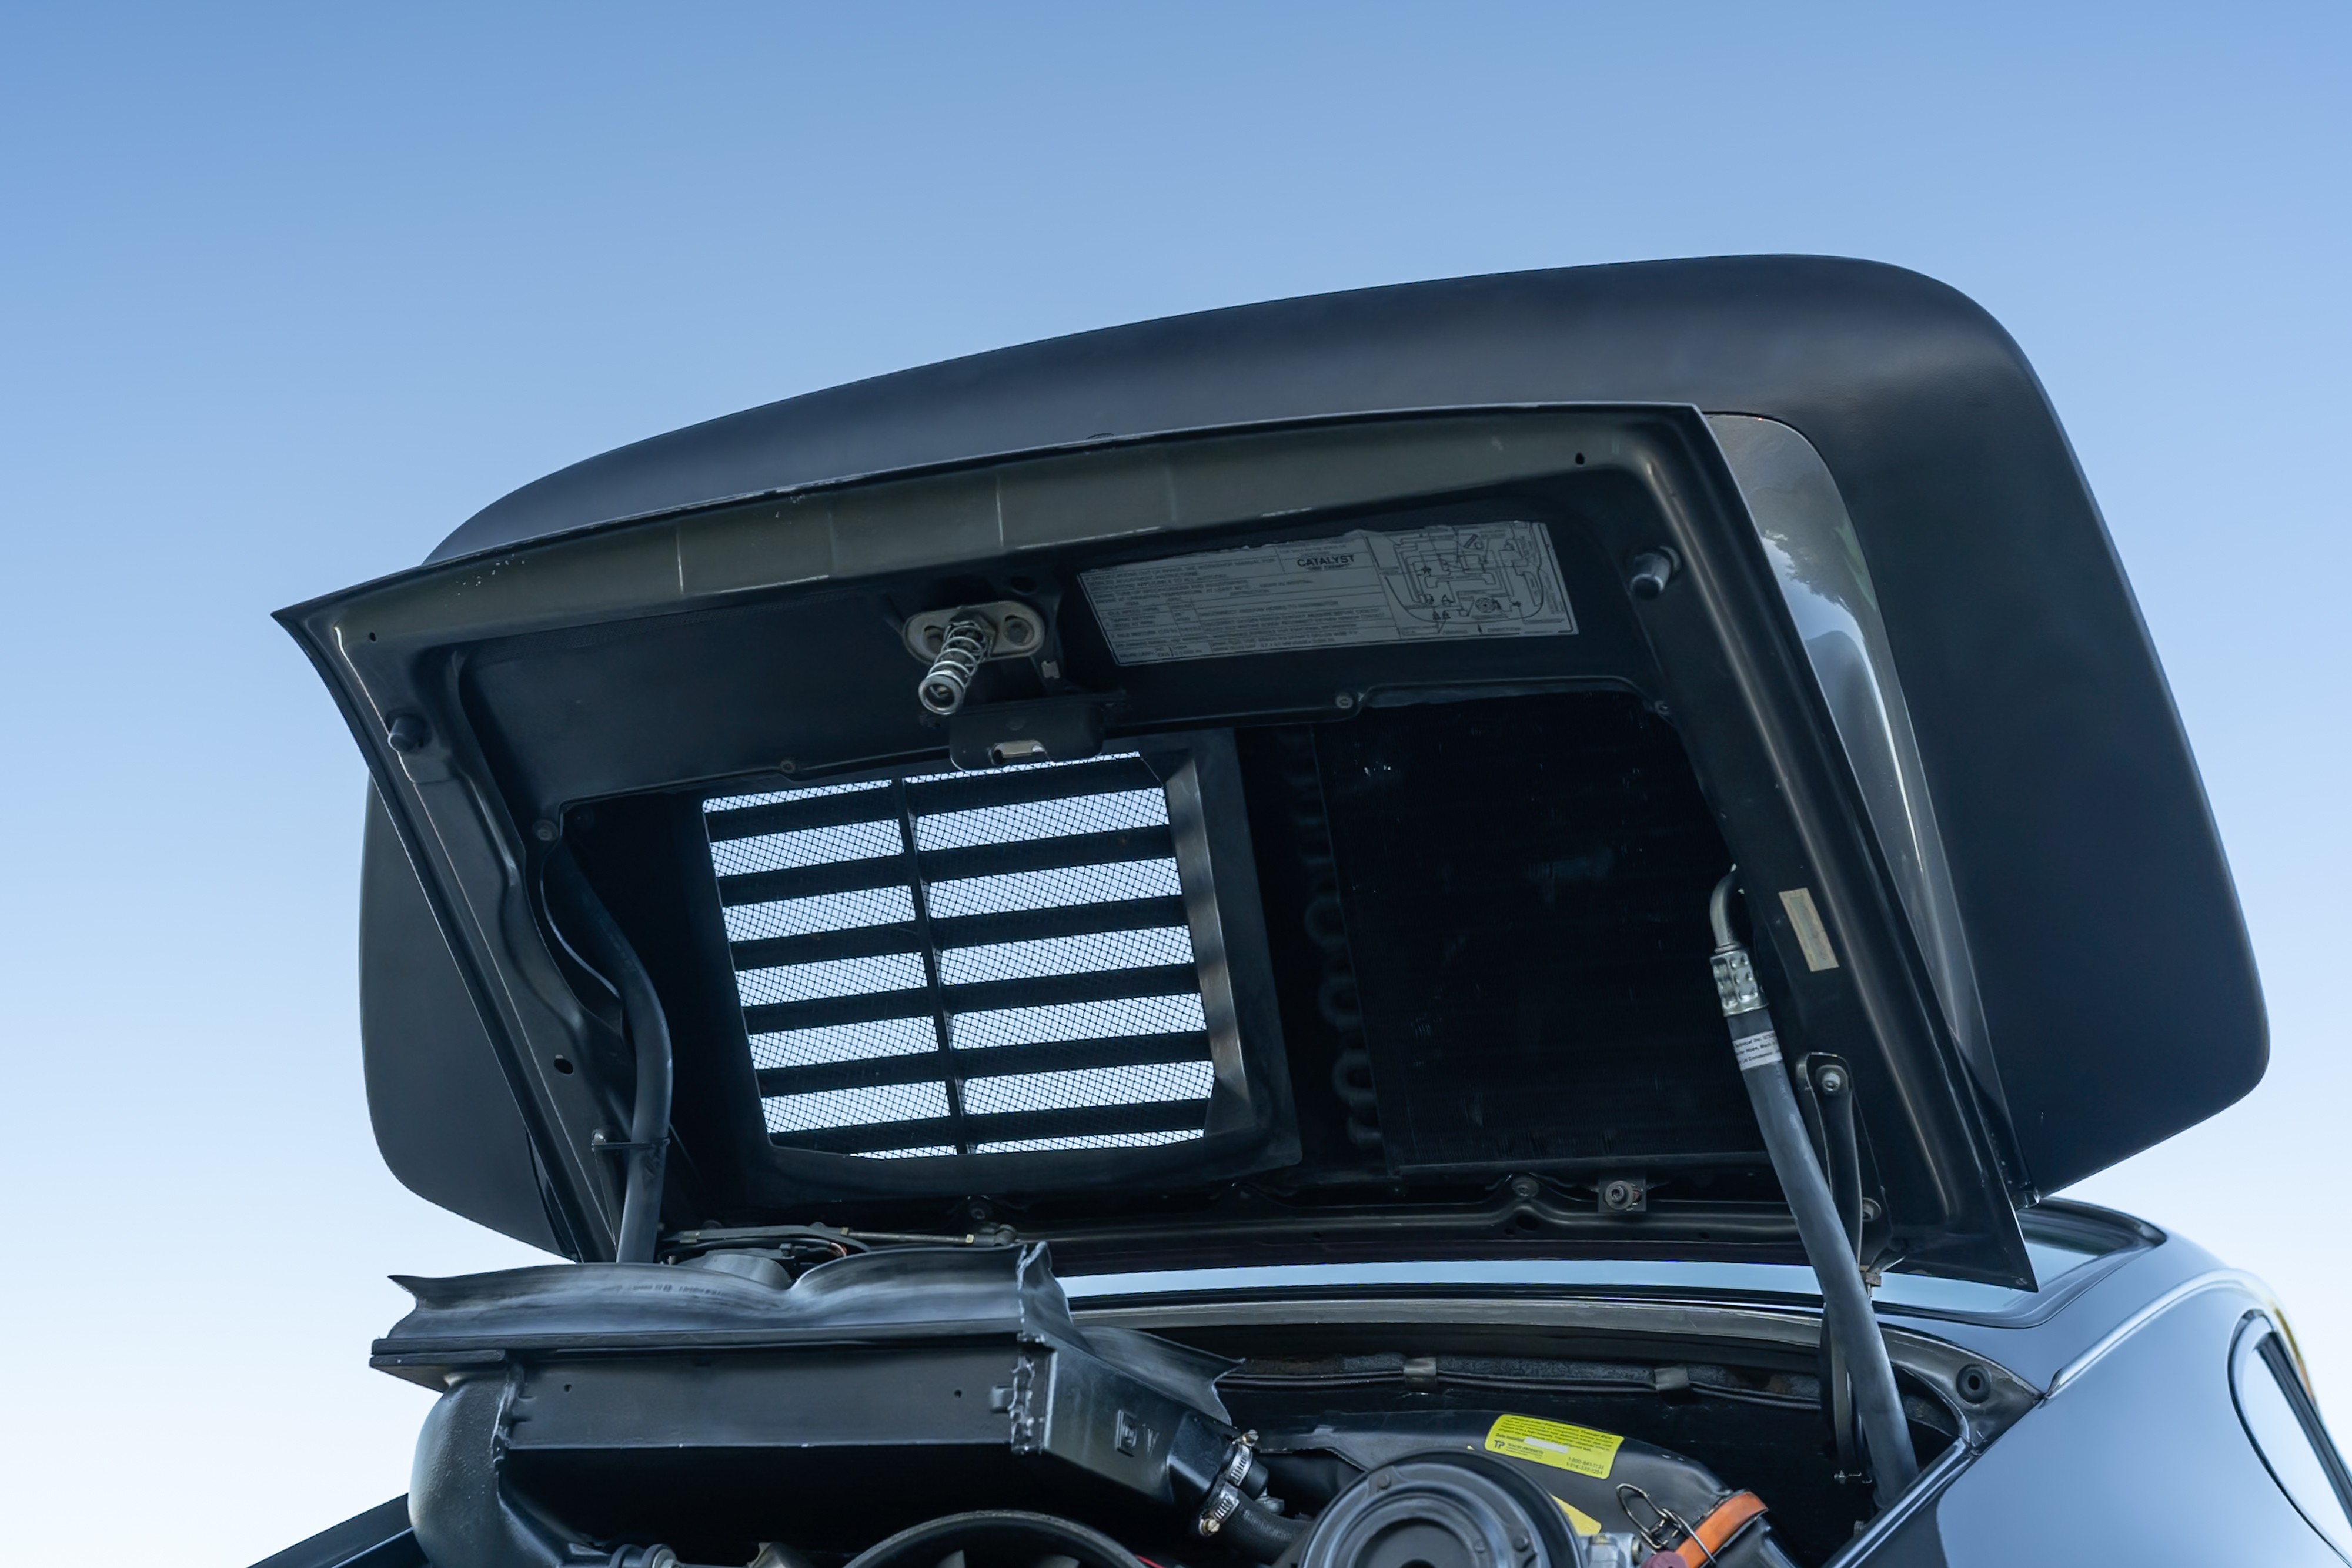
[(967, 642), (1336, 999)]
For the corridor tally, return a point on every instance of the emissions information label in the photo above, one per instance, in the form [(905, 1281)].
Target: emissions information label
[(1555, 1443), (1432, 585)]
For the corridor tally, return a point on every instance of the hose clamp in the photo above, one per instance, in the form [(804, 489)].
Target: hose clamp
[(1734, 982), (1226, 1499)]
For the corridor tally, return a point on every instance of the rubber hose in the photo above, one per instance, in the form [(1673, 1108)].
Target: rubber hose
[(1259, 1533), (648, 1034), (1851, 1321)]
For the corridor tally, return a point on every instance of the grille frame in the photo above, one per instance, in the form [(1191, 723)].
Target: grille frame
[(1244, 1122)]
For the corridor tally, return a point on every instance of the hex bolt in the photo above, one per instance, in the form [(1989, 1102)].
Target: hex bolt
[(1652, 569)]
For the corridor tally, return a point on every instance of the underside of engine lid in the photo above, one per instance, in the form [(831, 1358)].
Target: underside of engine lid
[(1262, 843)]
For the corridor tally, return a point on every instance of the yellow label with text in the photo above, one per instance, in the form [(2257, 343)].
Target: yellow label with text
[(1555, 1443)]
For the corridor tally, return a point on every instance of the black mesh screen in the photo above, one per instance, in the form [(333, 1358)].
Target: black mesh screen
[(967, 963)]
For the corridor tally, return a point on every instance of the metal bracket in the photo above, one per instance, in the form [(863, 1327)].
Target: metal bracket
[(599, 1144), (1049, 729), (1018, 630)]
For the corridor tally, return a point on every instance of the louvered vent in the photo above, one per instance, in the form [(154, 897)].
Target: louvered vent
[(954, 963)]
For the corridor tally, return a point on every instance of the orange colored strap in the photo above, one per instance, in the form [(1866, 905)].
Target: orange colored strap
[(1716, 1532)]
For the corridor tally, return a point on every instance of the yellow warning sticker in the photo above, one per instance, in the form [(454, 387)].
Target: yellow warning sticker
[(1578, 1520), (1554, 1443)]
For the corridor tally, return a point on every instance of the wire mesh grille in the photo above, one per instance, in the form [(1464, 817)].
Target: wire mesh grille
[(824, 911), (844, 1043), (1055, 889), (1087, 1089), (855, 1107), (816, 846), (830, 977), (1043, 820), (996, 963), (1079, 1020), (1083, 1141), (1076, 955)]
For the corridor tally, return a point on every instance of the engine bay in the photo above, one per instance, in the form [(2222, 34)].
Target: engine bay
[(919, 1405)]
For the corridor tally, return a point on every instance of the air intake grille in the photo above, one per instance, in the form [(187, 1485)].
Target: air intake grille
[(956, 964)]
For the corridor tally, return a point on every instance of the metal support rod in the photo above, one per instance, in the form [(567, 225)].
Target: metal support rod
[(648, 1035), (1847, 1315)]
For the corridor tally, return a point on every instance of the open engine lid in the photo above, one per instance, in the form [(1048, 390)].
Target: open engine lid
[(1317, 866)]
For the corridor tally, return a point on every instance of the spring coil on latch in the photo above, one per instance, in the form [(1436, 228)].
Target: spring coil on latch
[(968, 641)]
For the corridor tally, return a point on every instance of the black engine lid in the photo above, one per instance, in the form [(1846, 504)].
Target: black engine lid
[(1377, 925)]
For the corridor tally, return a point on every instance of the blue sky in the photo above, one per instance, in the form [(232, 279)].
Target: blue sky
[(284, 295)]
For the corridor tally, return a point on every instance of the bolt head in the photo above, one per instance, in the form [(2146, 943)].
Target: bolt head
[(1526, 1187), (1344, 701)]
